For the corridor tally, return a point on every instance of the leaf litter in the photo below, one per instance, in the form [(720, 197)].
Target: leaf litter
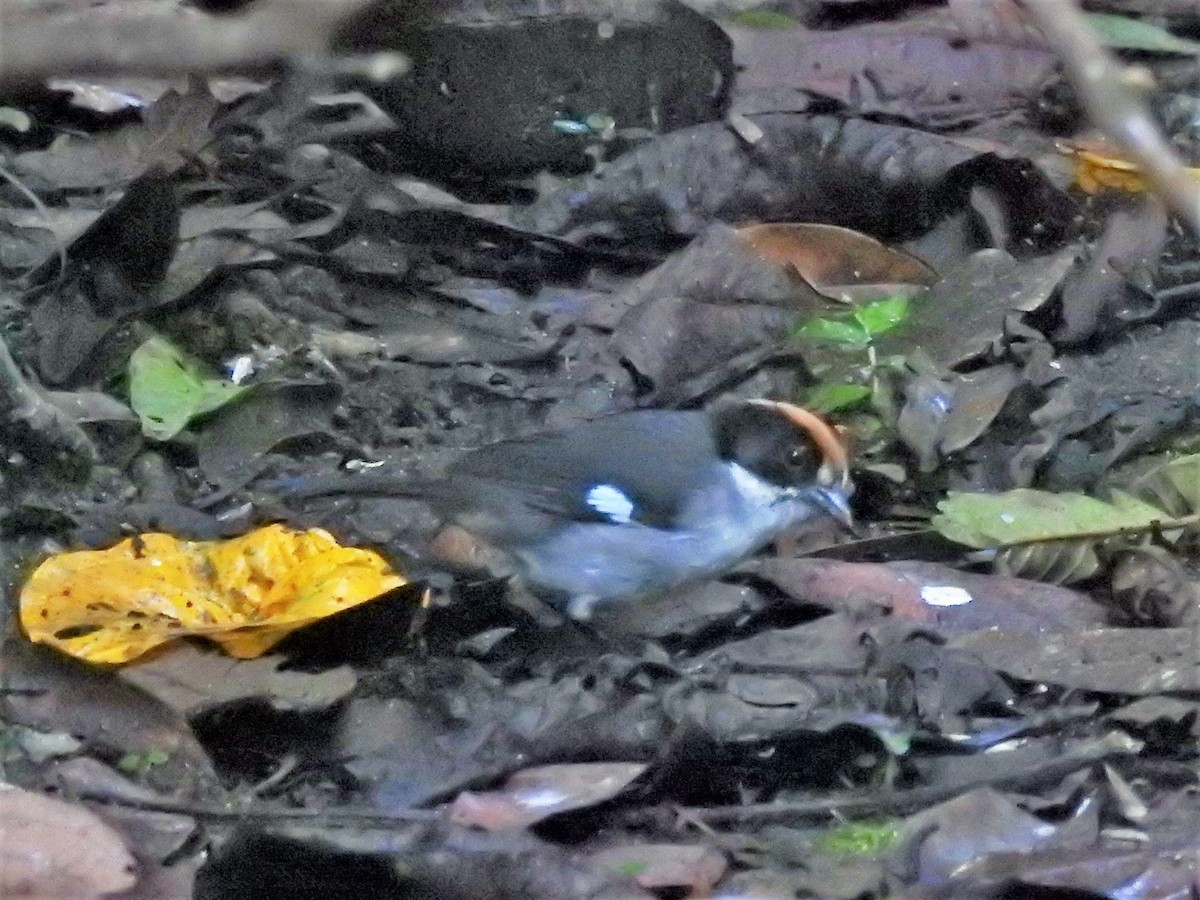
[(1001, 328)]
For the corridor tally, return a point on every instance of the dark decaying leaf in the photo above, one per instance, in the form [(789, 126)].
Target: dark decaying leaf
[(995, 20), (939, 596), (231, 445), (192, 680), (1084, 860), (486, 248), (52, 692), (33, 236), (405, 755), (511, 92), (202, 257), (670, 340), (716, 267), (1113, 288), (1115, 401), (1111, 660), (172, 131), (918, 69), (944, 415), (962, 315), (951, 837), (1152, 585), (69, 330), (882, 179), (130, 245), (693, 610), (406, 332)]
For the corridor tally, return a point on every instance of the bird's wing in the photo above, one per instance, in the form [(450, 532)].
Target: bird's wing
[(636, 467)]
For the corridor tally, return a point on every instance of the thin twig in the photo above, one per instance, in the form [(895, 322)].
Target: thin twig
[(336, 817), (1115, 107), (902, 802)]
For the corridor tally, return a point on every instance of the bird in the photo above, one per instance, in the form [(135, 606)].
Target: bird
[(637, 503)]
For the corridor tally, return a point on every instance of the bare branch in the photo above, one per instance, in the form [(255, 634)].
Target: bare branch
[(1115, 107), (150, 37)]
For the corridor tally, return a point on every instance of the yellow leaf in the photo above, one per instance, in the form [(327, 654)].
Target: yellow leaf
[(1099, 168), (246, 594)]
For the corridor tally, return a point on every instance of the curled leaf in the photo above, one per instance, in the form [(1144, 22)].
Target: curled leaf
[(1173, 485), (1099, 168), (1057, 562), (168, 390), (838, 262), (246, 594)]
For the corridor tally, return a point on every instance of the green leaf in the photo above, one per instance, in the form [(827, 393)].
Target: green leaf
[(168, 390), (882, 315), (846, 332), (1124, 33), (135, 763), (827, 398), (871, 838), (1025, 516), (763, 18)]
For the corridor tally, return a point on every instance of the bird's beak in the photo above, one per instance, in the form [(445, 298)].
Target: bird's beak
[(833, 501)]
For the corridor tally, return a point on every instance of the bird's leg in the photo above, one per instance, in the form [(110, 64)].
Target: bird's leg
[(542, 612)]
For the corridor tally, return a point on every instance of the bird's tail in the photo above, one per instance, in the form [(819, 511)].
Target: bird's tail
[(368, 484)]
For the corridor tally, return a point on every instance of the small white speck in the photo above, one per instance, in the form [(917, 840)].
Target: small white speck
[(1007, 518), (945, 595), (241, 369), (611, 501), (1055, 364)]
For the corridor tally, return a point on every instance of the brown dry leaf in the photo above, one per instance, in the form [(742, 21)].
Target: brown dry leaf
[(246, 594), (191, 679), (534, 794), (662, 866), (834, 259), (51, 849)]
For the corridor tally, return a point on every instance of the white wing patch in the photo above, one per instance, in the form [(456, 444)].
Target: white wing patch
[(612, 502)]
